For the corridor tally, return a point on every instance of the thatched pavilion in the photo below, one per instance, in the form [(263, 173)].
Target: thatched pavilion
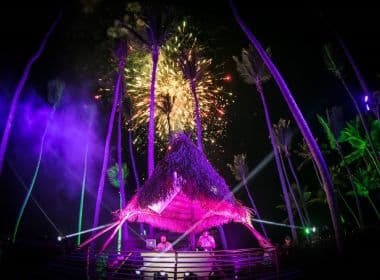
[(184, 194)]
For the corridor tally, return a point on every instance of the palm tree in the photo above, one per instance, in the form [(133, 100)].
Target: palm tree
[(123, 203), (336, 69), (121, 55), (55, 91), (128, 120), (365, 181), (19, 89), (193, 67), (332, 135), (351, 134), (239, 169), (254, 71), (284, 137), (302, 125), (114, 179), (306, 195), (336, 175), (149, 27), (166, 106)]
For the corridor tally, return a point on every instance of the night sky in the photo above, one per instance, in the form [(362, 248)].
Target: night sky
[(296, 38)]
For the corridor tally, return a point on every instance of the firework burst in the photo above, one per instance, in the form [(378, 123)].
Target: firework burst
[(173, 98)]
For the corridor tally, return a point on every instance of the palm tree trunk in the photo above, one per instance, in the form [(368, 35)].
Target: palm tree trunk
[(133, 163), (36, 171), (304, 128), (278, 162), (199, 144), (374, 207), (349, 173), (361, 117), (290, 190), (108, 142), (197, 115), (295, 177), (348, 207), (17, 94), (151, 129), (373, 159), (84, 180), (364, 88), (124, 228), (132, 158), (254, 207), (169, 125)]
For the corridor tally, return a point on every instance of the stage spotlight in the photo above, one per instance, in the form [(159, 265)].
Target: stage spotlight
[(190, 275), (59, 238), (314, 229), (139, 275), (162, 275)]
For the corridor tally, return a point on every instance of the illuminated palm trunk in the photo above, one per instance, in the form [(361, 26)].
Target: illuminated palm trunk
[(365, 90), (290, 190), (302, 125), (123, 235), (106, 154), (199, 145), (17, 94), (278, 162), (132, 157), (133, 163), (254, 207), (151, 128), (197, 115)]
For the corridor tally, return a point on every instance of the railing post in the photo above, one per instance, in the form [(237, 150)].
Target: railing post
[(175, 264)]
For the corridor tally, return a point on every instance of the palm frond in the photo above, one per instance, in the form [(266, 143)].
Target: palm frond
[(239, 167), (328, 131), (283, 134), (251, 67), (113, 174)]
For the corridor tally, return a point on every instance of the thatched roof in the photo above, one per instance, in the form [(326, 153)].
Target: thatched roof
[(184, 194), (183, 214), (198, 179)]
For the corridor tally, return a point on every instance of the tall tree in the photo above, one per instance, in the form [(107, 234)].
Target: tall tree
[(334, 67), (366, 181), (55, 91), (193, 67), (149, 26), (19, 89), (114, 179), (254, 71), (302, 125), (284, 138), (240, 170), (332, 133), (121, 56), (124, 230), (166, 106)]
